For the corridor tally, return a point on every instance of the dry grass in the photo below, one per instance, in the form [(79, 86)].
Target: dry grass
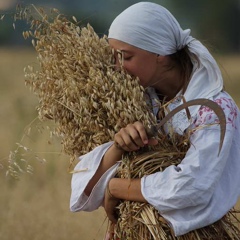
[(36, 207)]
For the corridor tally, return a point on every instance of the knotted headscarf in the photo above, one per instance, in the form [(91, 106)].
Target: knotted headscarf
[(152, 27)]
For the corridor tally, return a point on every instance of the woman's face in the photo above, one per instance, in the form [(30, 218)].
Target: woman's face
[(136, 62)]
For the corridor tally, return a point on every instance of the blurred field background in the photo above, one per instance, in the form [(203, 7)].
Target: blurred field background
[(36, 206)]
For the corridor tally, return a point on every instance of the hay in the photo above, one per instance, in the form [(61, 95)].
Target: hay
[(88, 101), (77, 85)]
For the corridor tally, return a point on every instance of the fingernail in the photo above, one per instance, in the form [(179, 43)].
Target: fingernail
[(145, 141)]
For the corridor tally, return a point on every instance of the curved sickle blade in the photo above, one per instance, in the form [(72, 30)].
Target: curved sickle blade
[(201, 101)]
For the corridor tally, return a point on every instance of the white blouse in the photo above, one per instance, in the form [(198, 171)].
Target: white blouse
[(195, 193)]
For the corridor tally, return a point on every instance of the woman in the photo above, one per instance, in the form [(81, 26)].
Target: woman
[(169, 63)]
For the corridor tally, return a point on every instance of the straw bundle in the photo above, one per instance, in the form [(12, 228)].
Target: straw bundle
[(79, 90), (77, 85)]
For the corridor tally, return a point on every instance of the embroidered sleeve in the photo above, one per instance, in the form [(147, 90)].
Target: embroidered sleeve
[(207, 115)]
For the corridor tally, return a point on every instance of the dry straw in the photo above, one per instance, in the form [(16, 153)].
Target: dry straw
[(88, 101)]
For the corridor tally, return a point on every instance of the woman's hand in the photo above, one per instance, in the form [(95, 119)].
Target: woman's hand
[(119, 188), (110, 203), (133, 137)]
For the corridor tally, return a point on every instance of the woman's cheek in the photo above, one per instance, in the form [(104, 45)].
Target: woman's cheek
[(128, 70), (131, 70)]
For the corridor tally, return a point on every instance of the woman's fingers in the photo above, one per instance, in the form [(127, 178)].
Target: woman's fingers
[(110, 204), (133, 137), (128, 139), (152, 141), (142, 133)]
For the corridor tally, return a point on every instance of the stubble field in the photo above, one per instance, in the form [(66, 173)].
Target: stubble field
[(36, 207)]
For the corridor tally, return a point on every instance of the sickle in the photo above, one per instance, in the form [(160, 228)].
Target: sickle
[(152, 131)]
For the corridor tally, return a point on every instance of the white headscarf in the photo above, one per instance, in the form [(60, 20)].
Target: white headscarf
[(151, 27)]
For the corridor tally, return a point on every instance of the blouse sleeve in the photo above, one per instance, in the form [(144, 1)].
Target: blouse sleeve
[(190, 195), (192, 182), (85, 170)]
